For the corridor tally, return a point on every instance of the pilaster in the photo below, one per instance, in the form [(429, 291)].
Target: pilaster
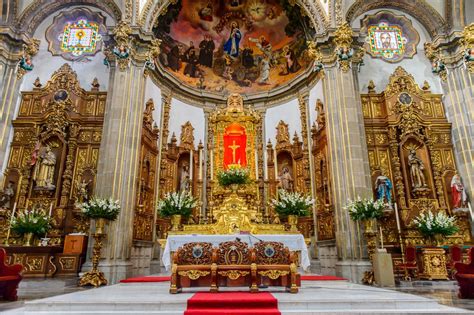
[(348, 161)]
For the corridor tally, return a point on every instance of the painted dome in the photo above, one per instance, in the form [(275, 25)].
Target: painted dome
[(233, 46)]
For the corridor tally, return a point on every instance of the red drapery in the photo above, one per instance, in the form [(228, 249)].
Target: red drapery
[(235, 143)]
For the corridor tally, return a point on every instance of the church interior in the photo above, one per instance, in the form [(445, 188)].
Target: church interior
[(236, 156)]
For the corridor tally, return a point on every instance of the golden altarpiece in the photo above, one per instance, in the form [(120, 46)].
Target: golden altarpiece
[(55, 148), (409, 141), (322, 180), (143, 220)]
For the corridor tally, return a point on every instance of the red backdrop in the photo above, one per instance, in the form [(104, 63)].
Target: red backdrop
[(235, 136)]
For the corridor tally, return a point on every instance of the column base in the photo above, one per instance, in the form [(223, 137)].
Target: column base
[(353, 270), (327, 255)]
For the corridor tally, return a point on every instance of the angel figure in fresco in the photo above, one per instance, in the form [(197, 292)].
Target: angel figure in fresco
[(205, 13), (383, 189), (291, 63), (264, 71), (264, 45), (416, 170), (459, 196), (184, 182), (231, 46)]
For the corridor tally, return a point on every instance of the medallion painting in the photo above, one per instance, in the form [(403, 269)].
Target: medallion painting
[(235, 46), (389, 37), (76, 34)]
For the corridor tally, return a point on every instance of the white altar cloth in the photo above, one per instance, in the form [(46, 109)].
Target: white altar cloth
[(295, 242)]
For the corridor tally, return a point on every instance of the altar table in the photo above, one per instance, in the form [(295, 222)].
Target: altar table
[(294, 242)]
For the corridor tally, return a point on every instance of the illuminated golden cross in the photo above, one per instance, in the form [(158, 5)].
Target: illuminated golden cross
[(234, 148)]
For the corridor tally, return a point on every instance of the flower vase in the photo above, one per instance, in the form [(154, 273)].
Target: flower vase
[(369, 225), (234, 188), (28, 237), (437, 240), (293, 222), (100, 225), (175, 222)]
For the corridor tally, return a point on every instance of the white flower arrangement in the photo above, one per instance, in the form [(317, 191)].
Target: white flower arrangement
[(233, 175), (180, 203), (292, 203), (31, 221), (430, 224), (365, 209), (97, 208)]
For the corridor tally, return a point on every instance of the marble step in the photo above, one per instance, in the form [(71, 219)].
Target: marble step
[(315, 297)]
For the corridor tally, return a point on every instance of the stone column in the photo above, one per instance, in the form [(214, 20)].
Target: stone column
[(11, 77), (348, 164), (459, 104), (118, 165)]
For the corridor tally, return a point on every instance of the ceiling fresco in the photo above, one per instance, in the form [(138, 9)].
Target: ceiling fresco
[(243, 46)]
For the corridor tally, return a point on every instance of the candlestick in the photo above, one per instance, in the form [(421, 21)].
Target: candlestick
[(212, 164), (397, 218), (256, 165), (381, 236), (11, 222)]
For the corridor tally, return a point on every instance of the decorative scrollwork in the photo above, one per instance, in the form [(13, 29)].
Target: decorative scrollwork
[(186, 254), (273, 274), (233, 274), (194, 274)]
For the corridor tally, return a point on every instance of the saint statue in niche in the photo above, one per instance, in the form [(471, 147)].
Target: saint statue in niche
[(43, 174), (416, 170), (184, 181), (458, 192), (82, 191), (383, 188), (286, 180), (7, 196), (231, 46)]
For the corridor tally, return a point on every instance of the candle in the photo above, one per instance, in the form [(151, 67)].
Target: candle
[(275, 164), (50, 209), (265, 173), (470, 210), (13, 213), (381, 236), (191, 168), (200, 164), (396, 217)]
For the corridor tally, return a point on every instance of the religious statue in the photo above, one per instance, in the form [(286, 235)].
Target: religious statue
[(6, 196), (286, 180), (383, 187), (459, 196), (416, 170), (184, 182), (121, 52), (43, 174), (82, 191)]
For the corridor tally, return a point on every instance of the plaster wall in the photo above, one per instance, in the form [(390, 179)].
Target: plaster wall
[(289, 113), (153, 92), (180, 113)]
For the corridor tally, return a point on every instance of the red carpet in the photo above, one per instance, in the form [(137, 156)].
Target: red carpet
[(232, 303), (320, 278), (146, 279), (164, 279)]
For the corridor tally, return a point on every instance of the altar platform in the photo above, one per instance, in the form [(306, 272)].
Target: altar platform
[(315, 297)]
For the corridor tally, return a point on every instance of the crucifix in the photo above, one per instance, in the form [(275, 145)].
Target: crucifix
[(234, 148)]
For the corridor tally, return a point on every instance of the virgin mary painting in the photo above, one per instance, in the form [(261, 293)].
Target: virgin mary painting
[(231, 46)]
